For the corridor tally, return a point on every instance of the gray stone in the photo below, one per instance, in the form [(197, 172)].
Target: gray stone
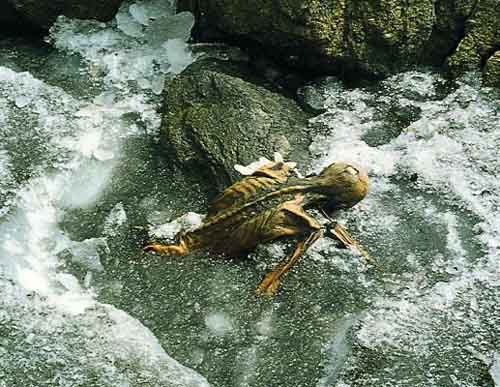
[(217, 114), (377, 37), (42, 13)]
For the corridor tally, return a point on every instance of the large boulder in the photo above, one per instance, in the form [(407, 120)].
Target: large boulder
[(41, 14), (481, 38), (491, 73), (378, 37), (448, 29), (217, 114), (353, 37)]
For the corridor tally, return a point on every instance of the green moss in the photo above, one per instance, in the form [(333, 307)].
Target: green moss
[(482, 36), (380, 36), (491, 72)]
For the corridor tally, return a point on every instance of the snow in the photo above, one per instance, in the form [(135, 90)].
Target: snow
[(449, 150), (53, 326)]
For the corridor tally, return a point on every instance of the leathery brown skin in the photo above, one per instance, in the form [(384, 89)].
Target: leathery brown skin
[(271, 204)]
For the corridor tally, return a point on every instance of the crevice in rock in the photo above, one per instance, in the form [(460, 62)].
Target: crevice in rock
[(489, 54), (461, 30)]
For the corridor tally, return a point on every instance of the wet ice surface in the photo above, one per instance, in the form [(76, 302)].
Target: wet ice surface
[(432, 219), (82, 182), (429, 317), (59, 152)]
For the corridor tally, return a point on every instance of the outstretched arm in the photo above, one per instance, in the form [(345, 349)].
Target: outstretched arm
[(339, 233)]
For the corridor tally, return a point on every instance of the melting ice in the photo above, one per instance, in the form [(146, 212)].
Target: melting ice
[(431, 219), (58, 152), (433, 210)]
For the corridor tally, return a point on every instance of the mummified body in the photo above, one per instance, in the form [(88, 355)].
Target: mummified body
[(271, 204)]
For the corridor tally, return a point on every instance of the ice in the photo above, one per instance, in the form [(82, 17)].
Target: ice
[(448, 150), (23, 101), (83, 189), (179, 57), (218, 324), (495, 369), (429, 317), (128, 25), (104, 346), (186, 222), (116, 218), (63, 149), (338, 350), (146, 11), (168, 27), (149, 41), (87, 253), (7, 182)]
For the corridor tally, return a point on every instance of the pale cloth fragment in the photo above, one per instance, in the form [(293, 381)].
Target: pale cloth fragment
[(247, 170)]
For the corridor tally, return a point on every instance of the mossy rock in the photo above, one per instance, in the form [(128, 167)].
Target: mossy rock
[(373, 38), (481, 38), (491, 72), (356, 39), (217, 114)]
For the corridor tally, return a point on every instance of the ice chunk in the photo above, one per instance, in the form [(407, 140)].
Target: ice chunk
[(219, 324), (116, 218), (87, 253), (146, 11), (23, 100), (178, 55), (170, 27), (128, 25), (132, 51), (187, 222), (83, 189)]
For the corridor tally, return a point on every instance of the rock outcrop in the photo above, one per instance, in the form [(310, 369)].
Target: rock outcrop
[(491, 73), (481, 38), (217, 114), (353, 38), (11, 20), (40, 14)]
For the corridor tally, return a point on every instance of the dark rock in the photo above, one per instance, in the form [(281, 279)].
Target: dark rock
[(481, 38), (450, 17), (12, 22), (217, 114), (374, 37), (355, 38), (491, 72), (41, 14)]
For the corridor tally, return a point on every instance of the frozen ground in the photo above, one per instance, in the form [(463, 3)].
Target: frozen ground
[(58, 153), (81, 174)]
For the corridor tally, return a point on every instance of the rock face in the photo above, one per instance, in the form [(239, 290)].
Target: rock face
[(491, 73), (217, 115), (11, 20), (448, 29), (41, 14), (351, 36), (481, 38)]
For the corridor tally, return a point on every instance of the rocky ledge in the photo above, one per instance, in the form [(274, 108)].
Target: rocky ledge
[(355, 38), (22, 16)]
